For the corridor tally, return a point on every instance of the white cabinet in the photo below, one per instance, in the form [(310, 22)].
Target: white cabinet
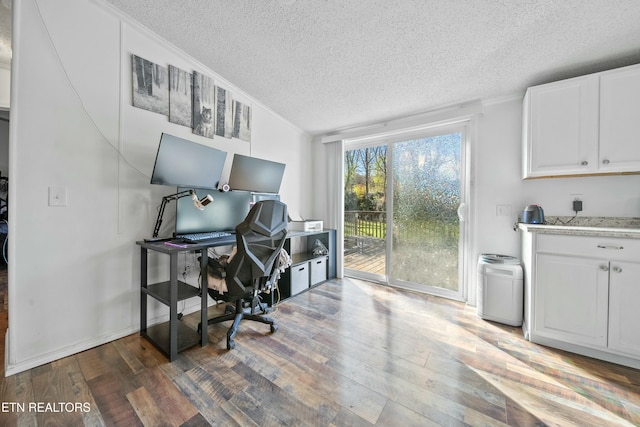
[(624, 303), (572, 299), (583, 126), (561, 128), (582, 295), (619, 120)]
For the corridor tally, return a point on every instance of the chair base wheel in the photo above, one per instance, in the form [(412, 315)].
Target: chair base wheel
[(237, 316)]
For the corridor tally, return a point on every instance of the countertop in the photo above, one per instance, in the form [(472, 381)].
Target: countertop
[(587, 226)]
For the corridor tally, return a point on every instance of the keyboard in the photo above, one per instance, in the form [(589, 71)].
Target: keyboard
[(202, 237)]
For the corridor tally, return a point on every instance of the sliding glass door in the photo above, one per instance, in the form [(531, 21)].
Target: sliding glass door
[(427, 189), (402, 199)]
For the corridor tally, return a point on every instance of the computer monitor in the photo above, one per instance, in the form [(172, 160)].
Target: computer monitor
[(184, 163), (257, 175), (223, 214)]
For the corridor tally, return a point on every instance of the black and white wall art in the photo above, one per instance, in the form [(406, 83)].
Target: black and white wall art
[(224, 113), (180, 96), (242, 121), (191, 100), (203, 105), (150, 86)]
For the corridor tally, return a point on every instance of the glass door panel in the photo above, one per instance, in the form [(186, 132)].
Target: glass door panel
[(365, 218), (426, 192), (402, 200)]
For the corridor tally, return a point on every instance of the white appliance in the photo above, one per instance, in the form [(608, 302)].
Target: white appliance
[(306, 225), (500, 289)]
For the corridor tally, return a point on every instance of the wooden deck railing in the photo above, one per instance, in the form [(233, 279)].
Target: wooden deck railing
[(373, 225), (365, 223)]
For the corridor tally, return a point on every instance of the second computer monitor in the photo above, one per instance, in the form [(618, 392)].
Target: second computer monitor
[(254, 174)]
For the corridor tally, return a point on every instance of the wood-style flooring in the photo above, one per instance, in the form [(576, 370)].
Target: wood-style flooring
[(348, 353)]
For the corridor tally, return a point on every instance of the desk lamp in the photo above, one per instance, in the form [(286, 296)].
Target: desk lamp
[(199, 204)]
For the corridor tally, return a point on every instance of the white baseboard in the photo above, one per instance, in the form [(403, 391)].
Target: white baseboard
[(24, 365)]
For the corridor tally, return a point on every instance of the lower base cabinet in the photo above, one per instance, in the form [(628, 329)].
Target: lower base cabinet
[(582, 295), (624, 312), (572, 299)]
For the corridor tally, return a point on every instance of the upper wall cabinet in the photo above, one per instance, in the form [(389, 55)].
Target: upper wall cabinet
[(583, 126)]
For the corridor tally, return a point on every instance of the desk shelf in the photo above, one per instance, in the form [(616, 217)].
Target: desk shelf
[(305, 257), (160, 336), (162, 291), (173, 336)]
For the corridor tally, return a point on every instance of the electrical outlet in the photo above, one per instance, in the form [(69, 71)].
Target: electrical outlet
[(577, 202)]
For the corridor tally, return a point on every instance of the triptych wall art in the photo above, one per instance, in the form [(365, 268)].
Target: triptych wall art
[(189, 99)]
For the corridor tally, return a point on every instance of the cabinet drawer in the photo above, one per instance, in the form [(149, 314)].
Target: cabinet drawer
[(299, 278), (318, 270), (599, 247)]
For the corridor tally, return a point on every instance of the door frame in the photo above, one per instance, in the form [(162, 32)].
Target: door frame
[(462, 125)]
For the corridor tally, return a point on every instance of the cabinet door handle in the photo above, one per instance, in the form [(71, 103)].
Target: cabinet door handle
[(584, 163), (605, 162), (604, 268), (617, 269), (611, 247)]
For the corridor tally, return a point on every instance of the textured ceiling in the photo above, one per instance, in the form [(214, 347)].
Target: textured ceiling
[(333, 64)]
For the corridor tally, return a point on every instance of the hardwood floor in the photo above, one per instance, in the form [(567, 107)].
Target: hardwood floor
[(347, 353)]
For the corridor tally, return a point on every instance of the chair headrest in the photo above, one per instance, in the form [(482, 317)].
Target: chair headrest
[(267, 217)]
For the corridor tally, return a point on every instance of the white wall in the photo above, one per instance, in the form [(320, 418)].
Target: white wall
[(498, 152), (74, 270)]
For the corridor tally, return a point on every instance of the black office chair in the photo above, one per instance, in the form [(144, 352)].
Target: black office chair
[(254, 267)]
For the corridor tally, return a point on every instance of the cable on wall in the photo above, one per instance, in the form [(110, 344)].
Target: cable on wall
[(79, 98)]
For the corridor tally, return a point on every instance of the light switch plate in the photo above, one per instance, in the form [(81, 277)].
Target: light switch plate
[(57, 196)]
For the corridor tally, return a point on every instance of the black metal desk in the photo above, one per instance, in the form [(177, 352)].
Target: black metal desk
[(173, 336)]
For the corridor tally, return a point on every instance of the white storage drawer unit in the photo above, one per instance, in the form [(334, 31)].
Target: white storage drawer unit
[(299, 278), (318, 270)]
